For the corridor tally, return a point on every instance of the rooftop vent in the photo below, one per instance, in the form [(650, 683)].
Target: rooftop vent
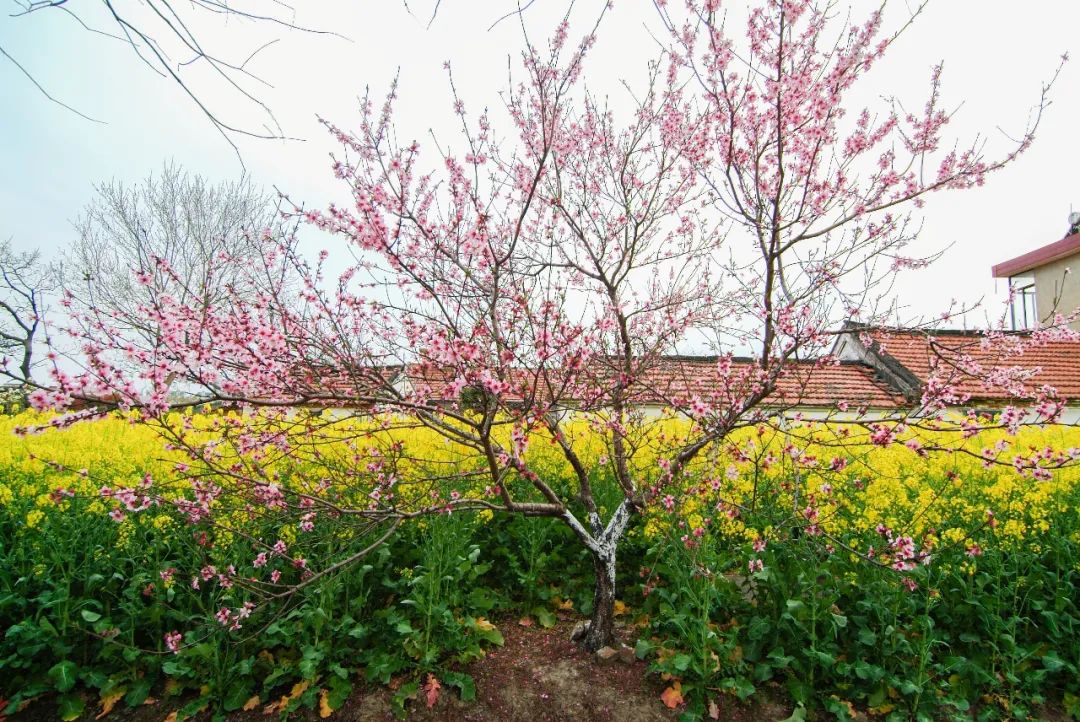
[(1074, 223)]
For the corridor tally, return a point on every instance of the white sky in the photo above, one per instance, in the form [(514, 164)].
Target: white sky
[(996, 55)]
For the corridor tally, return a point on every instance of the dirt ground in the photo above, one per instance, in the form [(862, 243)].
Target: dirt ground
[(540, 675)]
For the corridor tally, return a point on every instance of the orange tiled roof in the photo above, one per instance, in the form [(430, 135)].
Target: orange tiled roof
[(677, 380), (1054, 363), (801, 383), (668, 381)]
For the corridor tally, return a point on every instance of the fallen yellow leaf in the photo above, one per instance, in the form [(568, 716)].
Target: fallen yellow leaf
[(325, 710), (484, 624), (251, 704), (620, 608), (171, 717), (297, 689), (109, 700)]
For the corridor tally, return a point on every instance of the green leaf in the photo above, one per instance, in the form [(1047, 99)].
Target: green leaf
[(237, 695), (174, 668), (779, 659), (865, 670), (798, 715), (339, 691), (682, 662), (1052, 662), (545, 617), (194, 707), (90, 616), (486, 631), (1072, 704), (744, 688), (838, 708), (464, 682), (642, 648), (404, 693), (137, 692), (63, 674), (70, 707), (906, 686), (404, 628)]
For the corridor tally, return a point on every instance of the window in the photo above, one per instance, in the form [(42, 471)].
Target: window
[(1022, 309)]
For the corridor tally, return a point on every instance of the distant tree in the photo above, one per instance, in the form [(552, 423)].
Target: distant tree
[(202, 232), (25, 281)]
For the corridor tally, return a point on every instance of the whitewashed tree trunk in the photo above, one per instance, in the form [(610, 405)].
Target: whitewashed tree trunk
[(603, 543)]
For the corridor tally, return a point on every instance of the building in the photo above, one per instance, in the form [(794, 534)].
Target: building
[(870, 373), (1043, 283), (813, 389), (985, 375)]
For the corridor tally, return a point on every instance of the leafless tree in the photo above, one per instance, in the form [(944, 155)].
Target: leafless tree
[(198, 232), (25, 282)]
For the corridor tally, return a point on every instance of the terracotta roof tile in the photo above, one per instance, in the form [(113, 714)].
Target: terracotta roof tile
[(671, 380), (1054, 363)]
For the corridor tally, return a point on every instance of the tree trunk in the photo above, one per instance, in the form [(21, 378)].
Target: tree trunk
[(601, 632), (602, 542)]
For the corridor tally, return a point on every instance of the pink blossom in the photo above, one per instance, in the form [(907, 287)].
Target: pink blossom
[(172, 641)]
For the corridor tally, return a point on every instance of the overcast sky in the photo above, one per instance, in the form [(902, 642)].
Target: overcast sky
[(996, 55)]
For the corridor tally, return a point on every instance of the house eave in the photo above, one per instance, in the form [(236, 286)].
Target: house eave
[(1067, 246)]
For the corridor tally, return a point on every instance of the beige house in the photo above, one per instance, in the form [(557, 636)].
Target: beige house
[(1045, 281)]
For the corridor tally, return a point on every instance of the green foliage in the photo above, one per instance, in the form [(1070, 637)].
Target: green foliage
[(988, 638), (89, 610)]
